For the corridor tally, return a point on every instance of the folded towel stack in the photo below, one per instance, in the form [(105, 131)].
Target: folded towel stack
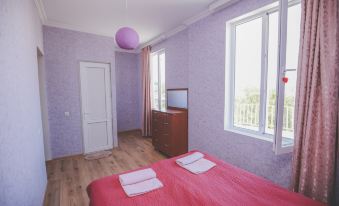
[(195, 163), (139, 182), (143, 181)]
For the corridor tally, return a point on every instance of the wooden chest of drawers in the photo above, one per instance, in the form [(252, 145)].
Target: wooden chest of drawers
[(170, 131)]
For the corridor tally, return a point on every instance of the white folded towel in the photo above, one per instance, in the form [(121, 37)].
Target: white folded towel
[(137, 176), (139, 182), (200, 166), (189, 158), (142, 187)]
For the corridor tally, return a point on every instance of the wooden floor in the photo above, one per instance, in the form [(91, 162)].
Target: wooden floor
[(69, 177)]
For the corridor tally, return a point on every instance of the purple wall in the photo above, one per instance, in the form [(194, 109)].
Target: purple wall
[(207, 83), (128, 77), (202, 45), (22, 162), (64, 49), (176, 49)]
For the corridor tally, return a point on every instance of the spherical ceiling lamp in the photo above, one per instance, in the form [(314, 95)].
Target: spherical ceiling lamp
[(127, 38)]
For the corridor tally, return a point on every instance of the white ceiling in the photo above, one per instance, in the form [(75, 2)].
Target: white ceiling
[(149, 18)]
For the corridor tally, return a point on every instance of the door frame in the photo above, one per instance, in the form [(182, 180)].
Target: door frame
[(43, 104), (113, 142)]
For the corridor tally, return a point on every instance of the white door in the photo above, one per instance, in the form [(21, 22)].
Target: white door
[(96, 106)]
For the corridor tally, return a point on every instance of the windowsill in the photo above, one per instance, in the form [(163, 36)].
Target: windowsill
[(248, 134), (284, 150)]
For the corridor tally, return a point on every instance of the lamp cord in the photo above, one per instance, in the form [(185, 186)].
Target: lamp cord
[(126, 15)]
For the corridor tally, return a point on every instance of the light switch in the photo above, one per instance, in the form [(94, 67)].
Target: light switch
[(67, 114)]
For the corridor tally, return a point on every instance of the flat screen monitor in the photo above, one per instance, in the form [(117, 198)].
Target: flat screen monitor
[(177, 98)]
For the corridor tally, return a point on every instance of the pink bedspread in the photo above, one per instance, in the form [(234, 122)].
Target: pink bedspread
[(223, 185)]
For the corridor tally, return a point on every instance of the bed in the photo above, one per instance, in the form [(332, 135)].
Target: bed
[(222, 185)]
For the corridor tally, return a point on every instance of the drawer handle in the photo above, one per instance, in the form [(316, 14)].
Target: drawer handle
[(166, 145), (165, 134), (166, 123)]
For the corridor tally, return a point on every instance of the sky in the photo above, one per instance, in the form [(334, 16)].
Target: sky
[(248, 52)]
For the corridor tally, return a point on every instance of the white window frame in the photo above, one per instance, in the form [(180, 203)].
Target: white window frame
[(283, 15), (281, 7), (157, 53)]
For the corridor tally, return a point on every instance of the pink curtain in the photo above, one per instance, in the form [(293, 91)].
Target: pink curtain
[(146, 92), (316, 132)]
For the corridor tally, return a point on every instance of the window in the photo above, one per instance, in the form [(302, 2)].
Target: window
[(262, 75), (158, 89)]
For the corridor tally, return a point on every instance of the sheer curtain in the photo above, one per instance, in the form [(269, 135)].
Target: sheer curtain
[(316, 124), (146, 92)]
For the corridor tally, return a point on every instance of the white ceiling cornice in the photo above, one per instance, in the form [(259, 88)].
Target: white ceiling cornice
[(54, 23), (214, 7), (41, 10), (221, 4), (135, 51)]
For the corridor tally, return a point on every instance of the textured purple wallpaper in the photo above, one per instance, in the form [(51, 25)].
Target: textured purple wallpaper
[(176, 49), (64, 49), (202, 46), (128, 77), (207, 83), (22, 161)]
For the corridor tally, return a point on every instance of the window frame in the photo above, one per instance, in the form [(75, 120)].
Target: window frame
[(282, 8), (157, 53), (278, 131)]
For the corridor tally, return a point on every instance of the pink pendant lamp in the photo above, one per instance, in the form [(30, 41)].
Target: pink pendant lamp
[(126, 37)]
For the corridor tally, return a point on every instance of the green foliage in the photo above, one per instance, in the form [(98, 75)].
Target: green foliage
[(252, 96), (248, 105)]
